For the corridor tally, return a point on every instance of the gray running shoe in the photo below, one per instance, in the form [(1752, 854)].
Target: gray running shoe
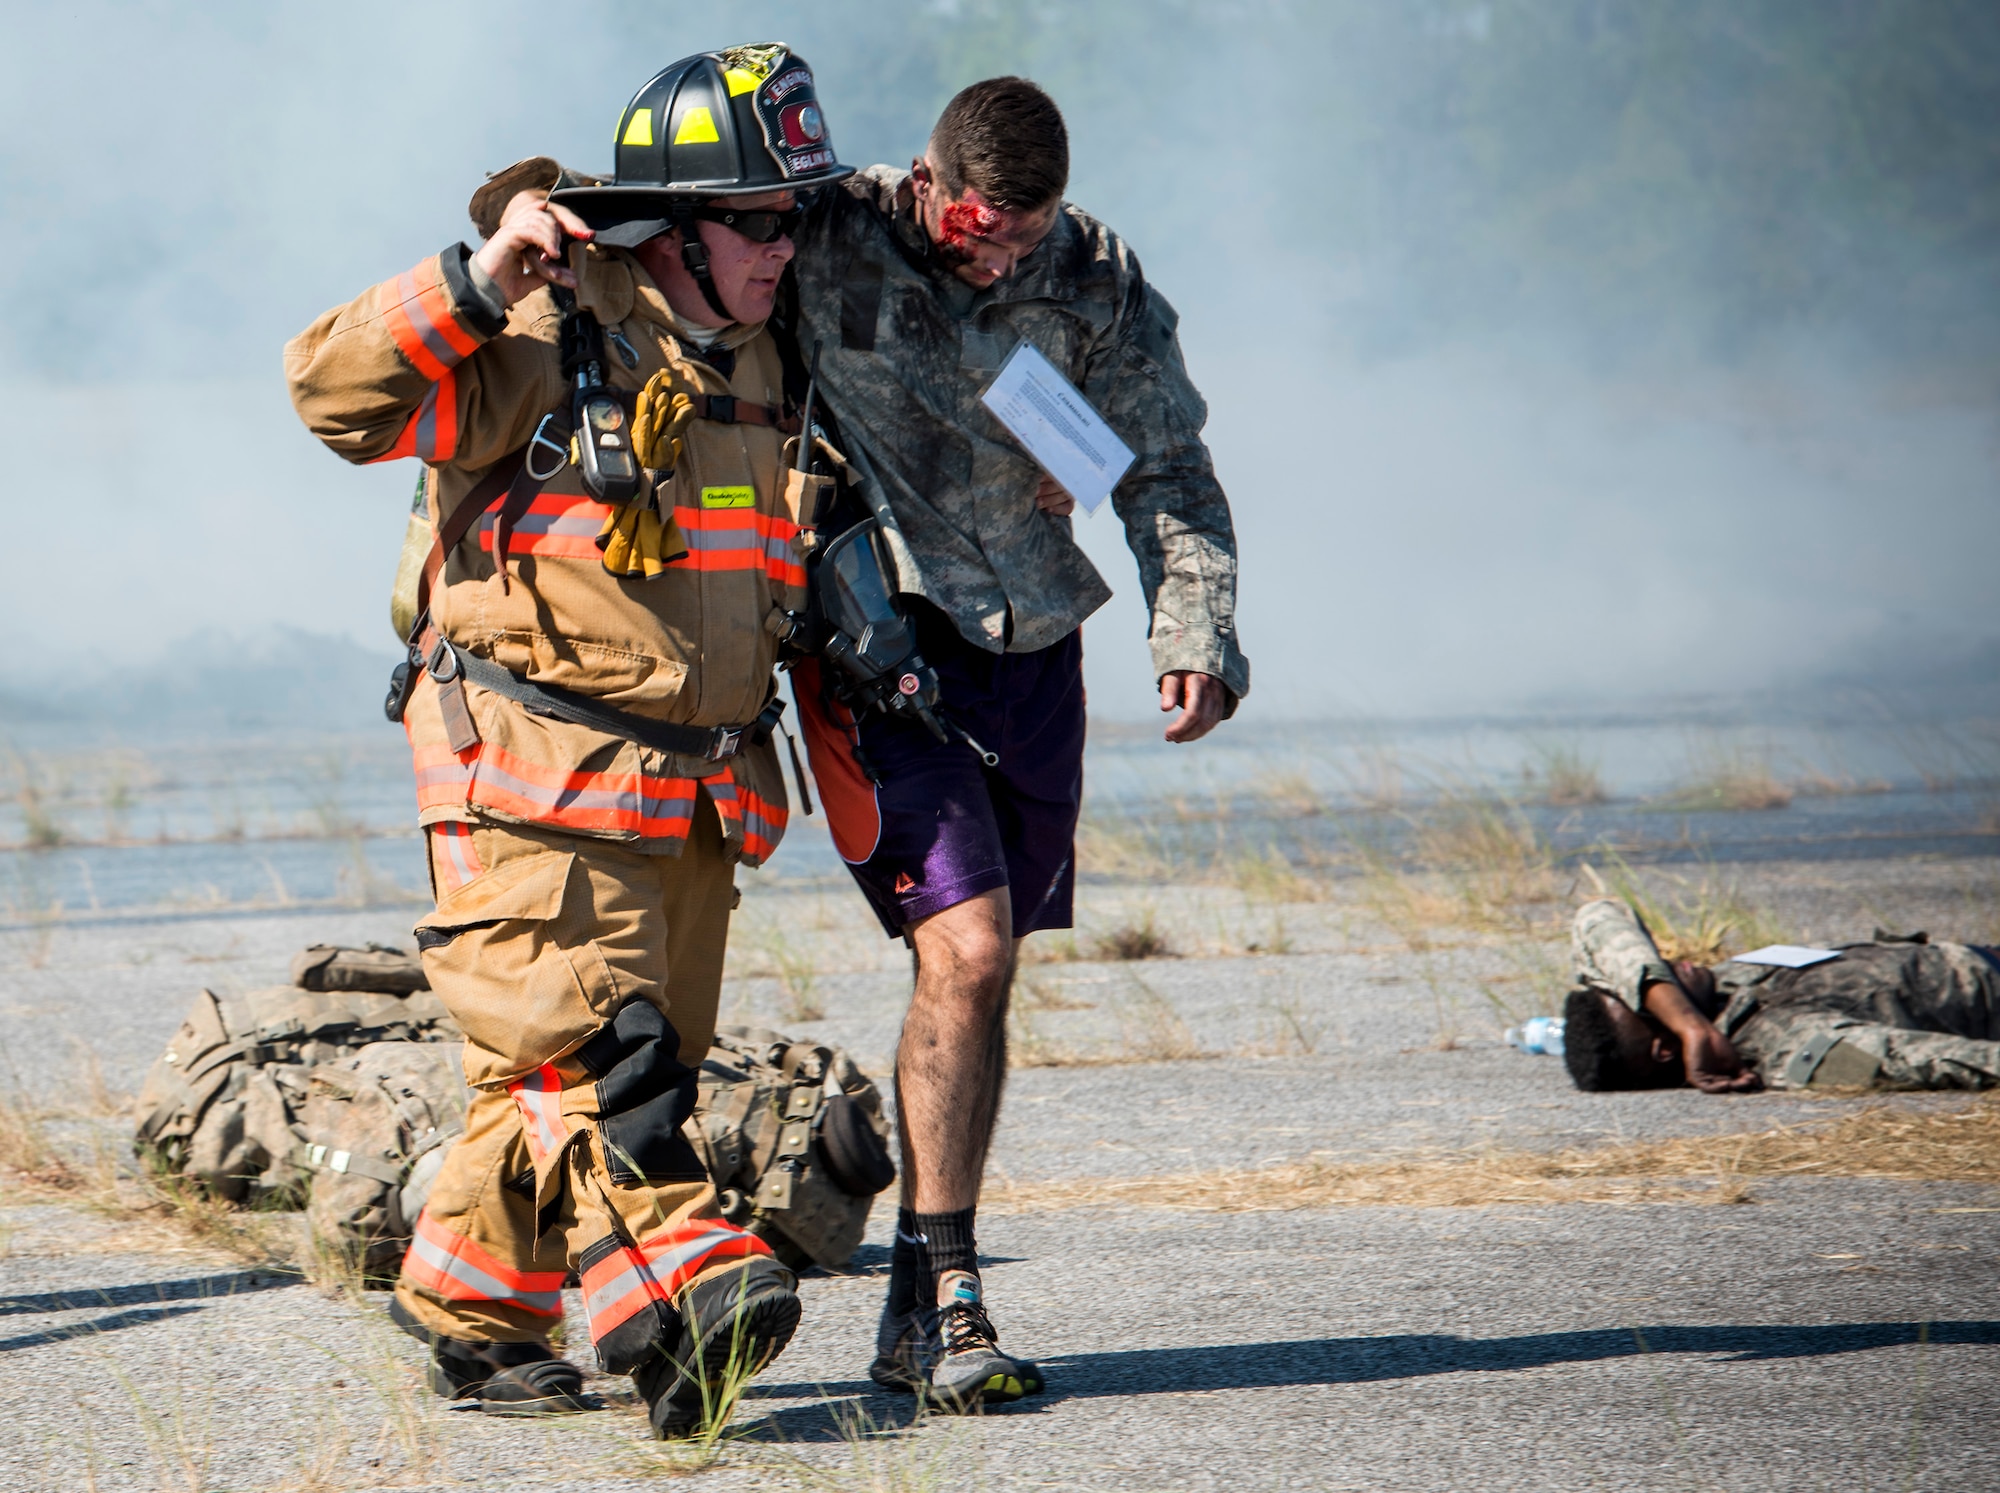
[(972, 1371), (906, 1345)]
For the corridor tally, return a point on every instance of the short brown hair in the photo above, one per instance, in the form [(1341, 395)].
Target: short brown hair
[(1005, 139)]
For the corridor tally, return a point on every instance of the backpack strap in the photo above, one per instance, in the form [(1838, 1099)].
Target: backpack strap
[(513, 483), (326, 1159)]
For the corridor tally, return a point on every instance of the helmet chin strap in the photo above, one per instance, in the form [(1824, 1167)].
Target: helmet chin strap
[(694, 258)]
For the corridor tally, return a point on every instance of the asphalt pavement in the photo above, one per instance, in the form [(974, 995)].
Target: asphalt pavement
[(1831, 1334)]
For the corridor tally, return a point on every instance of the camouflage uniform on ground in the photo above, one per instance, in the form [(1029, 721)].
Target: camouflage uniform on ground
[(1903, 1015)]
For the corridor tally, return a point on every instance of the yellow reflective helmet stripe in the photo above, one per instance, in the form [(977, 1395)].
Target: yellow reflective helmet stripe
[(741, 80), (640, 130), (697, 127)]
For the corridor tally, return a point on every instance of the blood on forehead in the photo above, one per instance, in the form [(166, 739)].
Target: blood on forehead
[(963, 221)]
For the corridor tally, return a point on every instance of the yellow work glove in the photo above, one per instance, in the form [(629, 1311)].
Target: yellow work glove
[(660, 420), (638, 544)]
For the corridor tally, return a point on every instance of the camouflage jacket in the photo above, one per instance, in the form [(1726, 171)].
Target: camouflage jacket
[(1901, 1015), (905, 352)]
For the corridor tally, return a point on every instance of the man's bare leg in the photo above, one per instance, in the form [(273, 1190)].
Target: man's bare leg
[(951, 1066), (952, 1060)]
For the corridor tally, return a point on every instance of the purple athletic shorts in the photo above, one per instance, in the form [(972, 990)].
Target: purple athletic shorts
[(937, 827)]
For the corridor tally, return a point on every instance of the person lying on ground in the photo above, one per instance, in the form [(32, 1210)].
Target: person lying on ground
[(1893, 1013)]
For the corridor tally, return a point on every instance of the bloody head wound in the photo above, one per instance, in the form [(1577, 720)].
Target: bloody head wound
[(1004, 139), (962, 222)]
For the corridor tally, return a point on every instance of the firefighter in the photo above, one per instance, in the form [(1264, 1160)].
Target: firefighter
[(589, 700)]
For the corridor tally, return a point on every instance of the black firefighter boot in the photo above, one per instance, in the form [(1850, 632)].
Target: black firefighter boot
[(501, 1378), (732, 1325)]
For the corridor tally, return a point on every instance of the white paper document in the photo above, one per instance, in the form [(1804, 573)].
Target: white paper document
[(1787, 956), (1058, 426)]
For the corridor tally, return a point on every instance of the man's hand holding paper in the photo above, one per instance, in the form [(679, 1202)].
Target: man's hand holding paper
[(1083, 457)]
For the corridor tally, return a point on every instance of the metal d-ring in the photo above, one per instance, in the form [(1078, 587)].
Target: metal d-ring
[(541, 438)]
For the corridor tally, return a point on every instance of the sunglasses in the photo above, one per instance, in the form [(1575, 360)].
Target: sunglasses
[(759, 225)]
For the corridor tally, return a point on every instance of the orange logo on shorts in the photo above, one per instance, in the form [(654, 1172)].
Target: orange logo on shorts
[(904, 883)]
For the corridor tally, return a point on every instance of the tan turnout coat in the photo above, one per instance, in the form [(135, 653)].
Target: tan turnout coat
[(417, 366)]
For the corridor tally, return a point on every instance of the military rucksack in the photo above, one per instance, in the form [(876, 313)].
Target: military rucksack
[(377, 1127), (220, 1107), (794, 1136)]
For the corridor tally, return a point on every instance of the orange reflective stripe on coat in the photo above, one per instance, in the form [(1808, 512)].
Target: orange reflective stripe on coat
[(626, 1280), (634, 802), (740, 539), (432, 432), (453, 859), (459, 1270), (443, 776), (490, 777), (564, 524), (761, 822), (540, 1098), (416, 308)]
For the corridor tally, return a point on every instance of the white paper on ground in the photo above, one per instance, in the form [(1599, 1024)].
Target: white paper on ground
[(1061, 431), (1787, 956)]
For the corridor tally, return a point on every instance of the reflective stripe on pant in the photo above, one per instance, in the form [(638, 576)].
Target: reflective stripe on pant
[(488, 1263), (556, 958)]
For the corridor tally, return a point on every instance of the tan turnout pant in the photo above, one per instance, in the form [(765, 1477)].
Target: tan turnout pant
[(586, 976)]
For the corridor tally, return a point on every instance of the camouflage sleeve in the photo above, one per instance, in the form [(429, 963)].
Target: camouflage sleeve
[(1614, 953), (421, 366), (1175, 514)]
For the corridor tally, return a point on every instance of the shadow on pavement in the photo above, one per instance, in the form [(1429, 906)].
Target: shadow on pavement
[(1362, 1360), (138, 1316), (146, 1302), (226, 1283)]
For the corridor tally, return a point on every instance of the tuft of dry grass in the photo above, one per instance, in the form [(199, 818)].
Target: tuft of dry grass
[(885, 1458), (1956, 1145), (1288, 1029), (1150, 1030), (1704, 919), (26, 1151), (1140, 940), (154, 1209), (1032, 994), (1726, 780), (1562, 776)]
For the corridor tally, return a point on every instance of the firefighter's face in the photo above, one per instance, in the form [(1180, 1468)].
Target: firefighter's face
[(746, 273)]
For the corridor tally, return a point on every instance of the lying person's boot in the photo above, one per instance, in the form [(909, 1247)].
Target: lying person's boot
[(732, 1326), (500, 1378), (906, 1348), (972, 1371)]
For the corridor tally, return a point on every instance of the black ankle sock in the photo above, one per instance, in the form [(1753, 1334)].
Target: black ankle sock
[(906, 1265), (947, 1245)]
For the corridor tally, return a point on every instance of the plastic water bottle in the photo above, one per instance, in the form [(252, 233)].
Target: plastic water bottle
[(1539, 1035)]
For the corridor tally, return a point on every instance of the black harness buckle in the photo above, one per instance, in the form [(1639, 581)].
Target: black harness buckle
[(722, 408)]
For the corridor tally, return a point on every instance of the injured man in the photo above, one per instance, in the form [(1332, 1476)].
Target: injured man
[(1898, 1013)]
